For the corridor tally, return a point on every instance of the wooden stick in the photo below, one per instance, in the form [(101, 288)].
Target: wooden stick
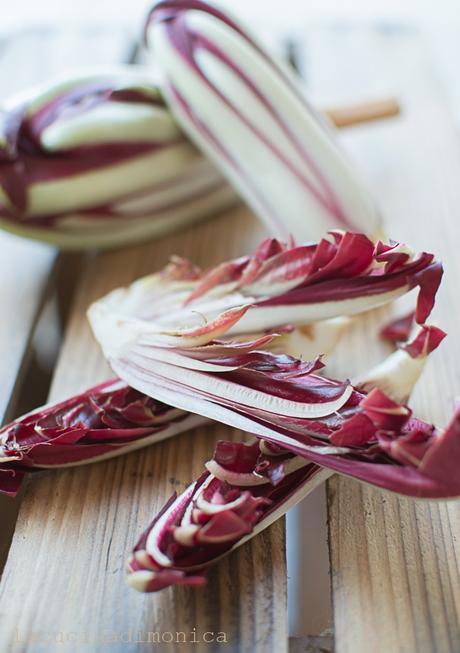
[(356, 114)]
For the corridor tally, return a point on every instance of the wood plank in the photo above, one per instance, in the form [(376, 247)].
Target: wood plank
[(76, 527), (25, 270), (395, 567)]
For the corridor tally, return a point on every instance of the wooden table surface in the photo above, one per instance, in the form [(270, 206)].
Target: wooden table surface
[(394, 562)]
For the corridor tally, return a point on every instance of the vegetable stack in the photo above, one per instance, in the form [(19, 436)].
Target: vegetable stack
[(242, 343)]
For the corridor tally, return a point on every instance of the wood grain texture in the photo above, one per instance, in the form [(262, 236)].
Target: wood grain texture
[(76, 527), (395, 564)]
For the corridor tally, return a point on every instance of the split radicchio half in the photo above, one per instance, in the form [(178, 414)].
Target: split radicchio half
[(105, 421), (245, 489), (146, 337), (96, 160), (247, 112)]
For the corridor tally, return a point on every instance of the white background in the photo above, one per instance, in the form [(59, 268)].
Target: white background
[(439, 19), (431, 14)]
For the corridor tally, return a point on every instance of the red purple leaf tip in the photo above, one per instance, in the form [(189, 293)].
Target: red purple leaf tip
[(428, 279), (427, 340), (384, 413), (398, 330)]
